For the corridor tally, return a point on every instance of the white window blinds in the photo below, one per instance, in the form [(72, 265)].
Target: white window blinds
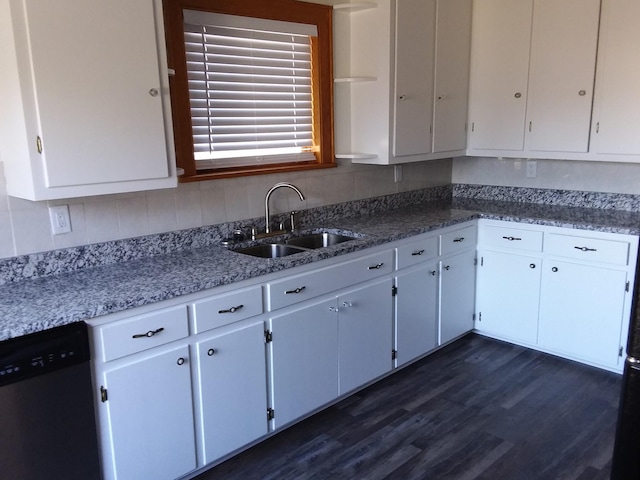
[(250, 90)]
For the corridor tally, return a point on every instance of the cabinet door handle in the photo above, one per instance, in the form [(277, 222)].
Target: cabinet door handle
[(231, 310), (181, 361), (211, 352), (418, 253), (333, 309), (347, 304), (458, 240), (150, 333), (376, 267), (518, 95), (433, 273), (554, 269), (582, 93), (447, 267), (297, 290), (586, 249), (511, 239), (532, 265)]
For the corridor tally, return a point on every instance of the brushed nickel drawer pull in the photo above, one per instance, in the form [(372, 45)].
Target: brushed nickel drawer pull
[(418, 253), (376, 267), (231, 310), (511, 239), (586, 249), (150, 333), (297, 290)]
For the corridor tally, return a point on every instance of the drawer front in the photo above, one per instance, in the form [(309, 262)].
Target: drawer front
[(506, 237), (228, 308), (588, 249), (305, 286), (417, 251), (458, 240), (143, 332)]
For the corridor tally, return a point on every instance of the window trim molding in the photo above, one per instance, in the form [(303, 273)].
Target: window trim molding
[(287, 10)]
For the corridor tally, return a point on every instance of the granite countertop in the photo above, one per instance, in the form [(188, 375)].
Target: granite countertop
[(42, 303)]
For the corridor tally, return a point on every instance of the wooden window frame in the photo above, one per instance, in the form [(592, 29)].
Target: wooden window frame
[(283, 10)]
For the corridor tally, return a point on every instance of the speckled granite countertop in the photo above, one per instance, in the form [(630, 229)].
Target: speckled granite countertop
[(38, 304)]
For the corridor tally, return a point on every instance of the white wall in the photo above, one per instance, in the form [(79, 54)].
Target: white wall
[(554, 174), (24, 225)]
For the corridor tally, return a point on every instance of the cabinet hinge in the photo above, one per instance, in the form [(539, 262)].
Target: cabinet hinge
[(394, 291), (270, 413), (473, 126), (620, 351), (479, 316), (268, 336), (627, 286), (394, 354), (103, 394), (475, 262)]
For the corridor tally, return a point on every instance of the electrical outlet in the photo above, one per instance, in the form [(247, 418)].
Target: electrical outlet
[(60, 220), (532, 168)]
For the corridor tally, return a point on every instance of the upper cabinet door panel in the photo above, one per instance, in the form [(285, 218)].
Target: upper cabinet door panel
[(95, 64), (453, 47), (617, 114), (501, 36), (563, 59), (414, 53)]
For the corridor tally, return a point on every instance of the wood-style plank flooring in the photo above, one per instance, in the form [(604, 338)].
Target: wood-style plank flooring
[(477, 409)]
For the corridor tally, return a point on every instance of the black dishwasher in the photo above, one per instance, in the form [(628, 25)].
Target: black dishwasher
[(47, 422)]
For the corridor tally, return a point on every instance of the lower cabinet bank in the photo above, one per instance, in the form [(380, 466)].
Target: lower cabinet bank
[(184, 384)]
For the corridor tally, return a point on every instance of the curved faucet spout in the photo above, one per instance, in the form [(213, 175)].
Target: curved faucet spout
[(268, 196)]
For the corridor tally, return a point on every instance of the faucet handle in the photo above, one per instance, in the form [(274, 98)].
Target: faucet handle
[(292, 219)]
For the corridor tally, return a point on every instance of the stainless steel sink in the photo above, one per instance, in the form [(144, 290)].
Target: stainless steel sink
[(270, 250), (318, 240)]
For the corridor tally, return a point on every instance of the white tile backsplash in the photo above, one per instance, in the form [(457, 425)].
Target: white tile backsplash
[(25, 228)]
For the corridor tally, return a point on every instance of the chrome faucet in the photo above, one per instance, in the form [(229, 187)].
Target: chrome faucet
[(268, 196)]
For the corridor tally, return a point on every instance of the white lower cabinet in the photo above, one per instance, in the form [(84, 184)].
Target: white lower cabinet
[(581, 311), (563, 291), (457, 295), (147, 417), (231, 389), (508, 296), (365, 329), (303, 358), (416, 311)]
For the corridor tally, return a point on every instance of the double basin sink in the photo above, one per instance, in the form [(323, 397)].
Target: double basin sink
[(293, 245)]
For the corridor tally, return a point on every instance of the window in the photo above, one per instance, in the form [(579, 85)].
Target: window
[(252, 90)]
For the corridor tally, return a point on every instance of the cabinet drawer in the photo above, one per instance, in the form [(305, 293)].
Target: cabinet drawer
[(512, 238), (143, 332), (305, 286), (588, 249), (458, 240), (418, 251), (228, 308)]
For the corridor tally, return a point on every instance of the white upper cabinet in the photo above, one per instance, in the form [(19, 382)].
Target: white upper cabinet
[(412, 60), (616, 121), (501, 36), (532, 77), (563, 60), (84, 98), (415, 55)]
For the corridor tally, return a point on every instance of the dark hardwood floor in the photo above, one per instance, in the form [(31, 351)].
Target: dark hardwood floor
[(477, 409)]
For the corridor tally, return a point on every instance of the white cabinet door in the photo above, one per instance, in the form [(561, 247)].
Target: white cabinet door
[(304, 360), (508, 296), (453, 48), (365, 329), (581, 310), (416, 312), (457, 295), (232, 386), (501, 37), (616, 126), (150, 417), (414, 53), (563, 59), (88, 73)]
